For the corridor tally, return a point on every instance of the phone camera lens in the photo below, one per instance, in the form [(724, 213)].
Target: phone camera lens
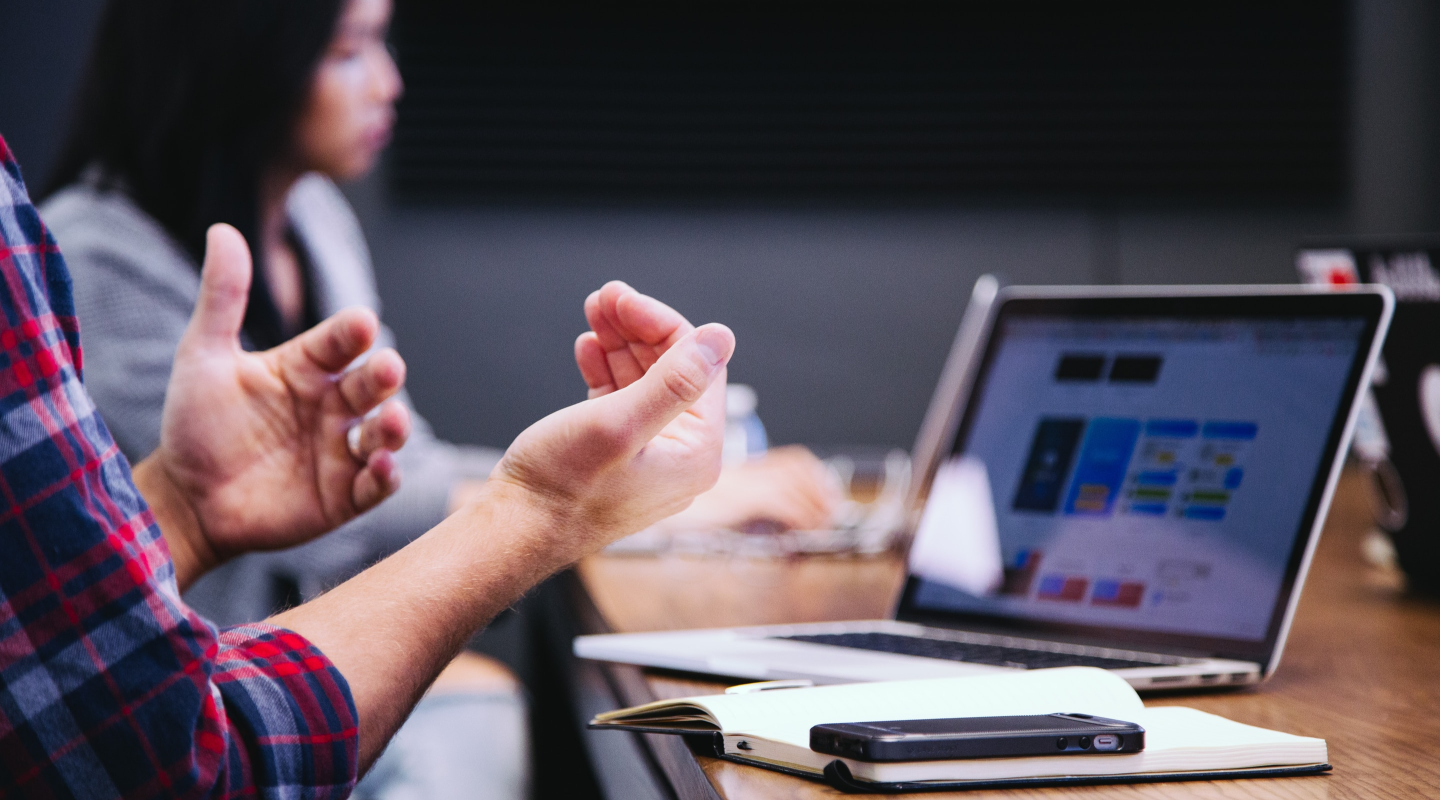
[(1084, 742), (1061, 743)]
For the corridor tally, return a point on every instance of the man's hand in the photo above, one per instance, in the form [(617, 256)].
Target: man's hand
[(640, 449), (628, 334), (647, 442), (253, 448)]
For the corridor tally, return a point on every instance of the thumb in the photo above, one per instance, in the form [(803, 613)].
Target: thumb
[(673, 384), (224, 288)]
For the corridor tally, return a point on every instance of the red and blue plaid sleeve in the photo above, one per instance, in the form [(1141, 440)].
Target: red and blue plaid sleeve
[(110, 687)]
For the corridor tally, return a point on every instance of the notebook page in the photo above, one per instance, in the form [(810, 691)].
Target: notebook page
[(787, 715), (1193, 739)]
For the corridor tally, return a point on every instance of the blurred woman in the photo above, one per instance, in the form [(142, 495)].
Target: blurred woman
[(246, 111)]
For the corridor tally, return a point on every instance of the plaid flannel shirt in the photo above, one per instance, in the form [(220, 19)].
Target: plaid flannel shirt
[(110, 686)]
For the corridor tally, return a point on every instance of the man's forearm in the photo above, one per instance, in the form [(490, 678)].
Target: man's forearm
[(177, 521), (391, 629)]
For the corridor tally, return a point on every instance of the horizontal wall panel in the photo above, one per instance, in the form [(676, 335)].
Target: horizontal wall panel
[(787, 99)]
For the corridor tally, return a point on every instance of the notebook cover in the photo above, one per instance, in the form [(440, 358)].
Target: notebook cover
[(838, 776)]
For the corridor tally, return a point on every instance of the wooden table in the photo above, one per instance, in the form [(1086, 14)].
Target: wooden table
[(1361, 670)]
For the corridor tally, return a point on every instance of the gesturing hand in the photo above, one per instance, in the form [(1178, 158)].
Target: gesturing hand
[(649, 438), (253, 452)]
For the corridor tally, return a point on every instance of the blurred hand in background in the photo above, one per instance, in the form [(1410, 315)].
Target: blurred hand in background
[(788, 488)]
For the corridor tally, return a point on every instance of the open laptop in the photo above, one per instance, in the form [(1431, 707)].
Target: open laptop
[(1157, 464)]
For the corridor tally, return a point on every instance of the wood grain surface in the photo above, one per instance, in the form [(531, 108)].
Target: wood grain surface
[(1361, 670)]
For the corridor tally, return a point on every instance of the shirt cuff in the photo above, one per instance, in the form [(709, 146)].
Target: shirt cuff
[(290, 717)]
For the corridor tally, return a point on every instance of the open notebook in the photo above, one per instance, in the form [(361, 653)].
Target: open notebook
[(772, 729)]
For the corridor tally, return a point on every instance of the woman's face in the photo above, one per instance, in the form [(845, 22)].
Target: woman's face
[(347, 119)]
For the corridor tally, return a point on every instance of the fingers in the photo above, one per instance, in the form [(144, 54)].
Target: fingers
[(224, 289), (386, 430), (814, 482), (677, 381), (811, 506), (788, 486), (336, 342), (808, 475), (378, 480), (609, 336), (380, 436), (795, 512), (632, 330), (373, 382), (648, 320), (652, 326), (594, 368), (799, 501), (624, 366), (620, 363)]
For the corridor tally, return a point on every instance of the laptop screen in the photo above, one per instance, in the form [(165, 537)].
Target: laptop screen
[(1149, 474)]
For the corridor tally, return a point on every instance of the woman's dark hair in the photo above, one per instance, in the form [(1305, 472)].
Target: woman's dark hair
[(185, 103)]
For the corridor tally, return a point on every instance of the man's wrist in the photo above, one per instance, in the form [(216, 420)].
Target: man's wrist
[(543, 523), (179, 524), (463, 492)]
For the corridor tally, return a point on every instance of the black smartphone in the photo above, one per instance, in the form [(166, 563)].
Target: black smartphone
[(978, 737)]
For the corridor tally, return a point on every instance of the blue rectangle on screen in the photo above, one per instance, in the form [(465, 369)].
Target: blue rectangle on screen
[(1230, 430), (1104, 458), (1172, 428), (1205, 512), (1152, 509), (1157, 478), (1233, 477), (1051, 452)]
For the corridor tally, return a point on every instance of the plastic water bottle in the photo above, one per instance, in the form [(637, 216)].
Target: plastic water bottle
[(744, 432)]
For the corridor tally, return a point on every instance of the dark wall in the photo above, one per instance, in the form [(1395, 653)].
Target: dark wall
[(844, 317), (43, 52), (844, 314), (850, 99), (1395, 116)]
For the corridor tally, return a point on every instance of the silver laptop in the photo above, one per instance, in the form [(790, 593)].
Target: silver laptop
[(1132, 478)]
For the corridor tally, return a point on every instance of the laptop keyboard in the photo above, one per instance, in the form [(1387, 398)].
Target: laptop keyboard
[(950, 650)]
